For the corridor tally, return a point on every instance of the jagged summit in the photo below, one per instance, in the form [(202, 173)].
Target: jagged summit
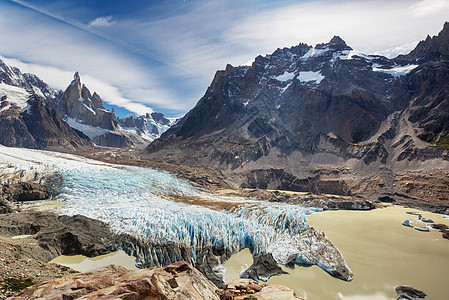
[(431, 49), (76, 78), (79, 104), (335, 44), (269, 124), (336, 40)]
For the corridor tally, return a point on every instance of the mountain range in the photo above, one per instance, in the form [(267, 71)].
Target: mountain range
[(324, 119), (33, 115)]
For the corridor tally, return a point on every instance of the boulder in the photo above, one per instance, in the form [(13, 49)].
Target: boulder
[(177, 281), (239, 289), (407, 292), (263, 267)]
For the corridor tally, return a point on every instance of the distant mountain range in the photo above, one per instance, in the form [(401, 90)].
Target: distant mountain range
[(66, 120), (321, 118)]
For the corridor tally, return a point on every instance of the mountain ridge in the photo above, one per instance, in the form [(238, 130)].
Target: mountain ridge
[(292, 116), (83, 111)]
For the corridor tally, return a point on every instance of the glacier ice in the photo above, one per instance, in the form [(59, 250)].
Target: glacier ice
[(137, 201)]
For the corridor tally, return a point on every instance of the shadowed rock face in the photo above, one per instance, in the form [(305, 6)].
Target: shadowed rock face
[(77, 102), (40, 127), (264, 266), (26, 118), (60, 235), (274, 123)]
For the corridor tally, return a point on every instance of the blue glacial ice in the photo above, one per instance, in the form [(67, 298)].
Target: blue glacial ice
[(137, 201)]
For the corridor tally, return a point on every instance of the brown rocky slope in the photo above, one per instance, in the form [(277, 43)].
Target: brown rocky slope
[(326, 120)]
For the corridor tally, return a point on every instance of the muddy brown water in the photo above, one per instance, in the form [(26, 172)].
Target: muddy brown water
[(379, 250), (83, 263)]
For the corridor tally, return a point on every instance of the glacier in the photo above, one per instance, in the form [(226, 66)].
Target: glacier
[(158, 207)]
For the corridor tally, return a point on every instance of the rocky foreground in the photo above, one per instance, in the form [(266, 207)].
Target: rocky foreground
[(176, 281)]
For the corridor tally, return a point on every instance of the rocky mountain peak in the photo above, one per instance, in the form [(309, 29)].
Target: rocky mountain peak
[(335, 44), (431, 49), (336, 40), (76, 78), (148, 126), (78, 103)]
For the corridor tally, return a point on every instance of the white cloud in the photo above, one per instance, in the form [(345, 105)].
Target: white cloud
[(430, 7), (397, 49), (60, 79), (166, 61), (368, 26), (54, 53), (104, 21)]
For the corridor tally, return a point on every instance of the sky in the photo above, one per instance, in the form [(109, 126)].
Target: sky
[(142, 56)]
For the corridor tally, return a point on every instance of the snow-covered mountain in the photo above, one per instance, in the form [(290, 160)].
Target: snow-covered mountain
[(322, 119), (76, 106), (86, 112), (148, 126), (26, 120)]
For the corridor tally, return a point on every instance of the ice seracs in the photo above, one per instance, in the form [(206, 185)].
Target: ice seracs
[(137, 201)]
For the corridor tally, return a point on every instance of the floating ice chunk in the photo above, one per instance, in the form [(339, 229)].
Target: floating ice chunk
[(407, 223)]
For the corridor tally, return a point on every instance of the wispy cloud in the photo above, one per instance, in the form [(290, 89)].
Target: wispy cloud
[(102, 22), (429, 7), (164, 55)]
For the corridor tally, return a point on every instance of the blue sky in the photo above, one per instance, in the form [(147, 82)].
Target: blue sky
[(161, 55)]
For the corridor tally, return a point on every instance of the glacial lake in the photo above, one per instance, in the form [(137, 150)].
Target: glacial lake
[(156, 205), (380, 252)]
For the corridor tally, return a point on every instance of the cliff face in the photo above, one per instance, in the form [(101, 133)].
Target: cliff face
[(77, 102), (26, 118), (300, 111), (77, 106), (38, 127)]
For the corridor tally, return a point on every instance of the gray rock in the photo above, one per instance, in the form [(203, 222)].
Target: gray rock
[(407, 292), (263, 267)]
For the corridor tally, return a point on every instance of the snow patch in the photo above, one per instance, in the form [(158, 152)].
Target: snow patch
[(286, 87), (396, 71), (310, 76), (15, 95), (285, 77), (314, 52), (88, 130), (90, 109)]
